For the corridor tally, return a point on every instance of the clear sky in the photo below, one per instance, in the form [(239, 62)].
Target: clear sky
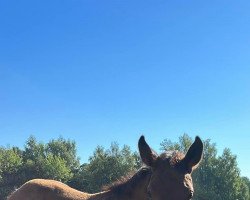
[(99, 71)]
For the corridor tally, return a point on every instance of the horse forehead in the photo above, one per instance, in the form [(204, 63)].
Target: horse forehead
[(172, 157)]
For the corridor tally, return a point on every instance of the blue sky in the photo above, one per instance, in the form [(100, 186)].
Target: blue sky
[(102, 71)]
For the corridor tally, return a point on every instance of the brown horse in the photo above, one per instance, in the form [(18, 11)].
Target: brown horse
[(165, 177)]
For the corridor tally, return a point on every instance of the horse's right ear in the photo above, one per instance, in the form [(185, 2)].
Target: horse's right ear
[(148, 156), (193, 156)]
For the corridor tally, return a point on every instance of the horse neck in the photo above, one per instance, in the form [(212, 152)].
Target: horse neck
[(136, 191), (140, 189)]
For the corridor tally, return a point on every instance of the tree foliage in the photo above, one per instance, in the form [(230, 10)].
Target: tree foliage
[(10, 166), (55, 160), (106, 166)]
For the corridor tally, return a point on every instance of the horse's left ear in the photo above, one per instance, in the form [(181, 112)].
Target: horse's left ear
[(193, 156)]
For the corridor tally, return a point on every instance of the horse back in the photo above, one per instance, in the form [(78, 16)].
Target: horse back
[(40, 189)]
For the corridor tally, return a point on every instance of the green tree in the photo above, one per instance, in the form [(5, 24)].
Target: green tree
[(55, 167), (106, 166), (10, 166), (65, 149), (246, 181), (184, 143), (33, 157), (54, 160), (232, 185)]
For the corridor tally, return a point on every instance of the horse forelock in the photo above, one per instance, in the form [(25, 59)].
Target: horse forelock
[(173, 157)]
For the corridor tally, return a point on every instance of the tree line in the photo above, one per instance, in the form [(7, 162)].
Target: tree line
[(218, 176)]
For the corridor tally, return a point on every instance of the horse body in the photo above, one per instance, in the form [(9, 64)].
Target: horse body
[(166, 177), (133, 188)]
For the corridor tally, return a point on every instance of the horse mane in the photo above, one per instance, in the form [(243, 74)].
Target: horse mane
[(127, 183)]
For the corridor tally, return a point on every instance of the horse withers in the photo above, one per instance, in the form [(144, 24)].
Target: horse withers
[(165, 177)]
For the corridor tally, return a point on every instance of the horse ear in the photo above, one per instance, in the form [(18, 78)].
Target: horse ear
[(193, 156), (148, 156)]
